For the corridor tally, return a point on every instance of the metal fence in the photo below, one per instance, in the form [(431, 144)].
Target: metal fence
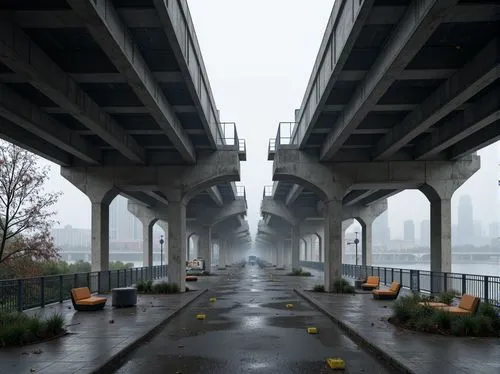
[(487, 287), (21, 294)]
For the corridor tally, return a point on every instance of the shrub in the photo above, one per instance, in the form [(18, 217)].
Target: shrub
[(342, 286), (144, 286), (299, 273), (482, 326), (447, 297), (443, 320), (462, 326), (319, 288), (406, 308), (55, 324), (165, 288), (19, 328)]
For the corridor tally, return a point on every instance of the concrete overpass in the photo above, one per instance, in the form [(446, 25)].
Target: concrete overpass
[(118, 95), (401, 96)]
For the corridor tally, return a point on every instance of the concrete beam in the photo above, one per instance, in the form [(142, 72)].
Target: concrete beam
[(298, 167), (378, 195), (109, 31), (418, 23), (461, 13), (412, 74), (475, 142), (31, 118), (180, 181), (27, 140), (232, 209), (276, 208), (480, 114), (215, 195), (24, 57), (354, 197), (126, 110), (483, 70), (293, 194), (157, 197), (101, 78)]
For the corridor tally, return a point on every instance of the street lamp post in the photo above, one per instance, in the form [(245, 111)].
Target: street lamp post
[(356, 241), (161, 254)]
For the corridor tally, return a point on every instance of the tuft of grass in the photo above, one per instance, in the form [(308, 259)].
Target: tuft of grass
[(319, 288), (166, 288), (19, 328), (443, 320), (342, 286), (447, 297), (144, 286), (299, 273), (55, 323)]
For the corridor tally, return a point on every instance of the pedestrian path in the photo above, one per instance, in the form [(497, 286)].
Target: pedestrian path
[(249, 329), (366, 319), (94, 339)]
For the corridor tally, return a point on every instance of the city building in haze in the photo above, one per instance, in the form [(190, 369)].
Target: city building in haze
[(381, 234), (465, 226), (425, 233), (409, 233)]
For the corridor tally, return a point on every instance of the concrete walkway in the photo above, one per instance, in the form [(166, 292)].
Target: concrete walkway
[(248, 329), (365, 320), (96, 340)]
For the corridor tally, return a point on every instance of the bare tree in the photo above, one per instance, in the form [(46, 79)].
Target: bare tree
[(25, 214)]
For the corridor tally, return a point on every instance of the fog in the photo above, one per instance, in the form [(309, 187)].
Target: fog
[(259, 56)]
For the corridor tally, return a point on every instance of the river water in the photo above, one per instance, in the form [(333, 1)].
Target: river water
[(481, 269)]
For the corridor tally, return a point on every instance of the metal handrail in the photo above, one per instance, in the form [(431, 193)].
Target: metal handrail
[(26, 293), (486, 287)]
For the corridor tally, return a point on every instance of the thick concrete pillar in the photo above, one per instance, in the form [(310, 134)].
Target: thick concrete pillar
[(222, 253), (100, 236), (164, 226), (295, 247), (333, 242), (275, 254), (345, 225), (281, 253), (177, 243), (147, 243), (205, 246), (366, 243), (441, 235)]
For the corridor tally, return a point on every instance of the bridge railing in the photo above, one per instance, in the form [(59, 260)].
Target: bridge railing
[(487, 287), (27, 293)]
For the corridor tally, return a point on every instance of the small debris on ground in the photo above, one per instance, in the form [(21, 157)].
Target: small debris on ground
[(37, 351), (111, 321)]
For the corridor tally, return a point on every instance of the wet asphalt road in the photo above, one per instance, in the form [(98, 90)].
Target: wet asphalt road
[(249, 330)]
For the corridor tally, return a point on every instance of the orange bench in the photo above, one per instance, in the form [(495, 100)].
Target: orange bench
[(389, 294), (83, 301), (191, 278), (371, 283), (468, 305)]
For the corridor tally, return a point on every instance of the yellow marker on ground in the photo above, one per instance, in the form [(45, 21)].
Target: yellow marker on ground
[(200, 316), (335, 363), (212, 299), (312, 330), (289, 306)]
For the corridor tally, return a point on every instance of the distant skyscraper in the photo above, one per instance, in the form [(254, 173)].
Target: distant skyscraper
[(425, 233), (465, 226), (409, 232), (380, 230), (494, 231), (123, 226)]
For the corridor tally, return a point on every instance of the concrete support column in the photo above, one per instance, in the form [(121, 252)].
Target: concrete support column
[(345, 225), (281, 253), (147, 243), (366, 243), (205, 246), (177, 243), (222, 253), (295, 247), (441, 235), (100, 236), (164, 226), (333, 242)]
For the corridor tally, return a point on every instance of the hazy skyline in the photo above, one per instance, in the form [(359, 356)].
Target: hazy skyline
[(259, 56)]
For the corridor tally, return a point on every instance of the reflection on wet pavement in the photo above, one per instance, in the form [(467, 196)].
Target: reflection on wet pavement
[(248, 330)]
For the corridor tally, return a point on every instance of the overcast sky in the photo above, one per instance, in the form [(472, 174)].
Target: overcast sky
[(259, 56)]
